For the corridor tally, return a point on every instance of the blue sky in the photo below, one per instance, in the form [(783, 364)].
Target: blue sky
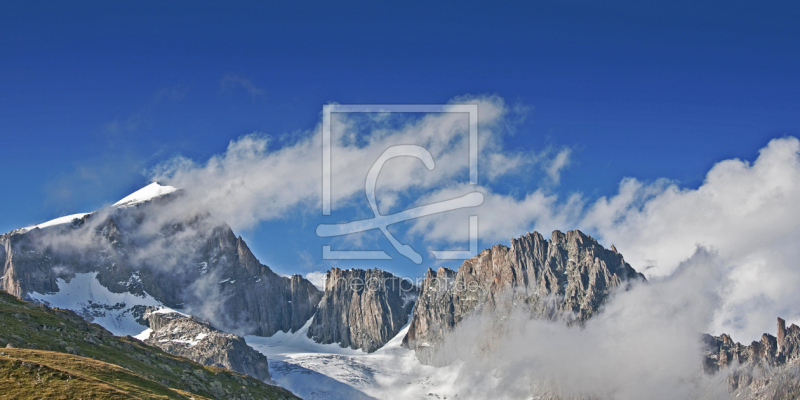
[(93, 96)]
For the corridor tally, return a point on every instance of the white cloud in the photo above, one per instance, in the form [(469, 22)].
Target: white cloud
[(247, 183), (644, 345), (746, 212), (739, 207), (500, 217), (252, 182), (558, 163), (232, 80), (317, 278)]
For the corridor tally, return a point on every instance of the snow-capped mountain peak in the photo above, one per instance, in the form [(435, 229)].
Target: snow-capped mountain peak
[(57, 221), (148, 192)]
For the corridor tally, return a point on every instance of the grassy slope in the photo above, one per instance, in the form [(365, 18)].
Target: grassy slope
[(57, 354), (30, 374)]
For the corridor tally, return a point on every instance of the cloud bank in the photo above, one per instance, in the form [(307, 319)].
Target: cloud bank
[(744, 211), (258, 178), (643, 345)]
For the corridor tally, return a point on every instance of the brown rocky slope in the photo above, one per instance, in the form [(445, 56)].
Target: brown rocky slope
[(568, 277), (185, 336)]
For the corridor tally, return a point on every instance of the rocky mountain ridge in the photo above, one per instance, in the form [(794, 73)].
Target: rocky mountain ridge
[(362, 309), (163, 251), (568, 277), (764, 369)]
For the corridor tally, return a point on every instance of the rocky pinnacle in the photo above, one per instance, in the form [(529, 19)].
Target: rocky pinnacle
[(568, 277), (362, 309)]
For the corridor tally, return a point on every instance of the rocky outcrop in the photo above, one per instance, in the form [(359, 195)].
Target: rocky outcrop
[(185, 336), (362, 309), (165, 248), (764, 369), (567, 278)]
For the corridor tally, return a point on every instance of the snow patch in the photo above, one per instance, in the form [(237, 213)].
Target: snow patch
[(191, 343), (146, 193), (167, 310), (284, 344), (317, 279), (144, 335)]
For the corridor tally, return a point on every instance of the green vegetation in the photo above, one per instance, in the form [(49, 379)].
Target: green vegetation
[(54, 354)]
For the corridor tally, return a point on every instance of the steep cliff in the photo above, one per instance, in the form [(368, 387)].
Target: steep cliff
[(198, 341), (567, 278), (162, 250), (362, 309)]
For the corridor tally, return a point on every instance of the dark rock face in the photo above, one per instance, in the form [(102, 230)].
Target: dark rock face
[(765, 369), (256, 300), (362, 309), (24, 268), (198, 341), (568, 277), (166, 248)]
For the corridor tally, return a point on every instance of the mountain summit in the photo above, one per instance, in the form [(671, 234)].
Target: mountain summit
[(152, 248), (568, 277), (146, 193)]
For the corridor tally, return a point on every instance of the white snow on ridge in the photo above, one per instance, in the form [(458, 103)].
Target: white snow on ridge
[(167, 310), (86, 296), (58, 221), (316, 371), (144, 335), (148, 192)]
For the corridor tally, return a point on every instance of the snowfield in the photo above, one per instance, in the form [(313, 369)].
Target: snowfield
[(311, 370), (86, 296), (142, 195), (316, 371)]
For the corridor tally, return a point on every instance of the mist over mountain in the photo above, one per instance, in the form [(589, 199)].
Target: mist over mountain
[(567, 278), (530, 200), (153, 248), (563, 318)]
